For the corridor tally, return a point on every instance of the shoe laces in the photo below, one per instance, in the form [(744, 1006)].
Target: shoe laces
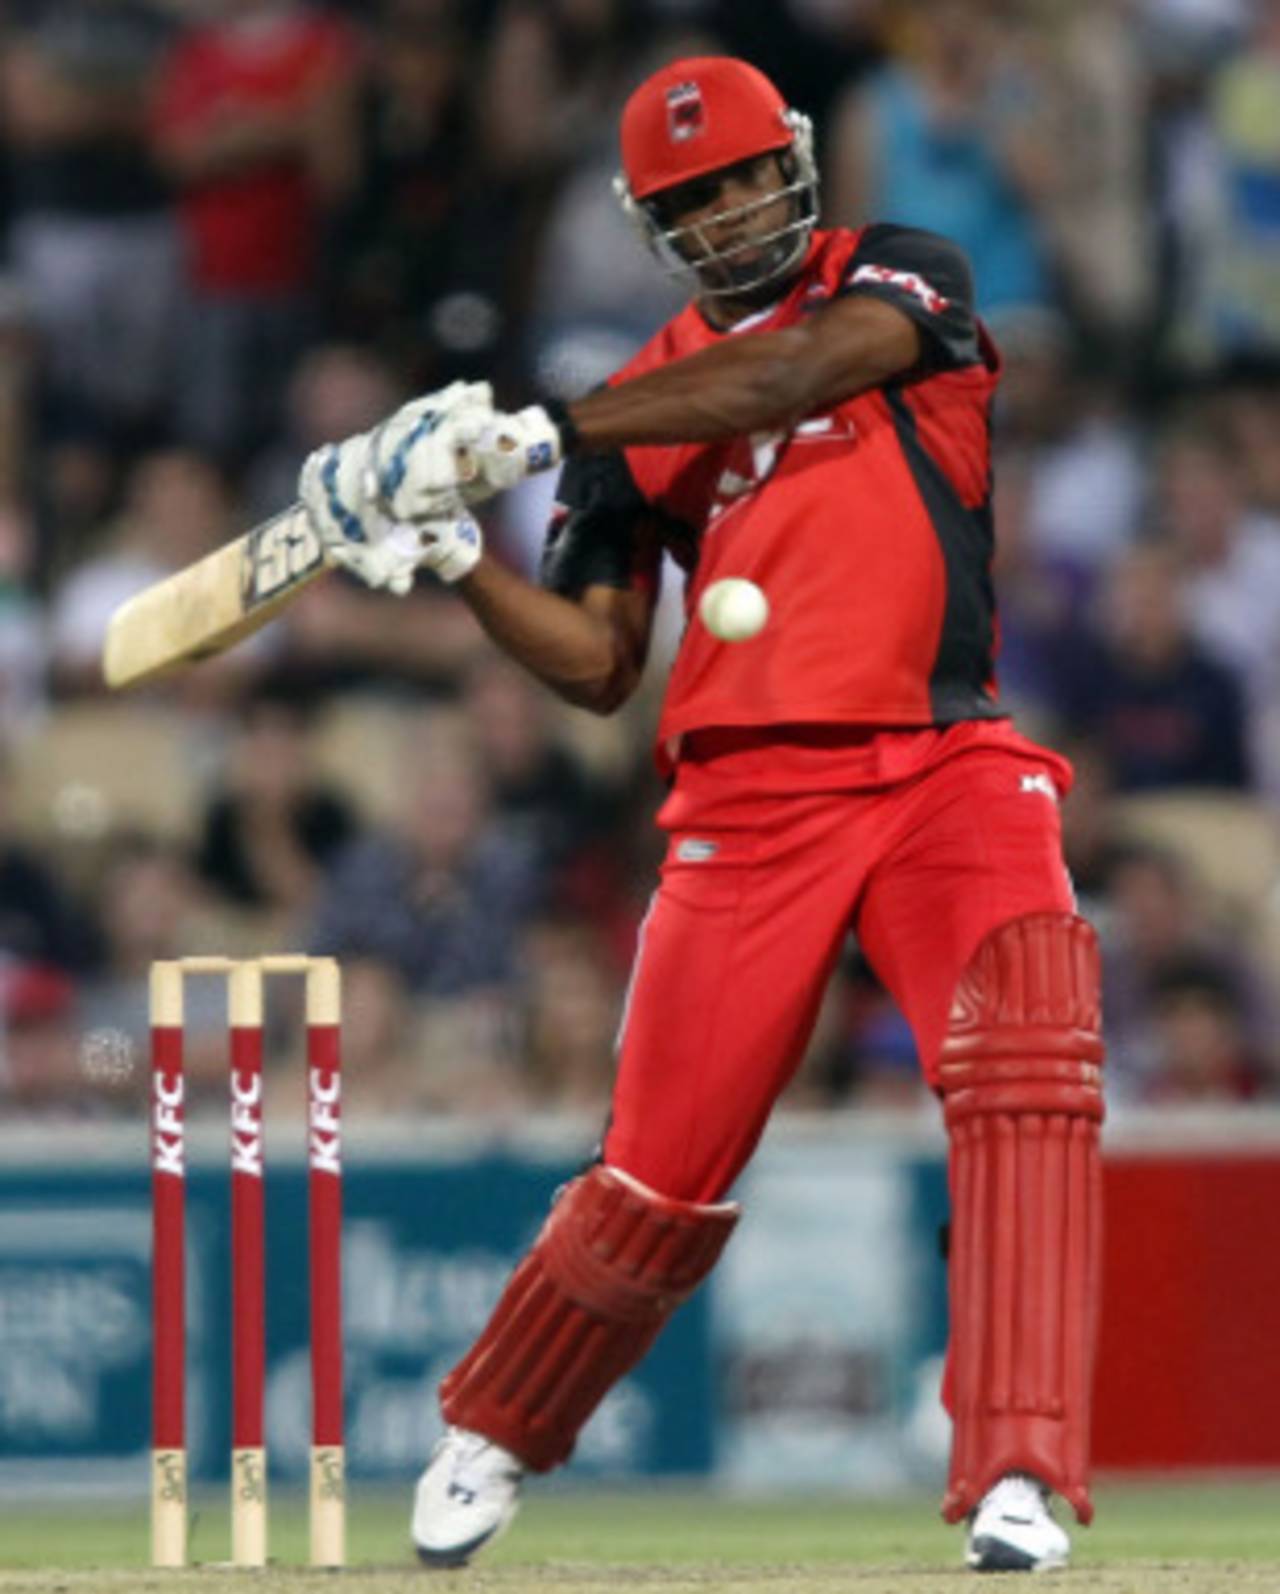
[(477, 1461), (1019, 1492)]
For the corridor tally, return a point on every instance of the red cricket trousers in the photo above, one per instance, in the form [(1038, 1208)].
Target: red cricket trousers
[(781, 841)]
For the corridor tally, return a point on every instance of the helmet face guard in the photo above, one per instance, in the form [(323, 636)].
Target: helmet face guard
[(686, 253), (695, 118)]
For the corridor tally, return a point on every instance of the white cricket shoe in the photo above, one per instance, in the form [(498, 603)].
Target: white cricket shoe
[(466, 1497), (1012, 1531)]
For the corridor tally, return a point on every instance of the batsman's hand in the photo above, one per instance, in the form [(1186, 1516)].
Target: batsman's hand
[(427, 459), (333, 489), (350, 489), (502, 449), (336, 488), (450, 546), (417, 465)]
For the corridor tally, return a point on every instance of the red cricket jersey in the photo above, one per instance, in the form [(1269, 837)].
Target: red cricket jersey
[(867, 525)]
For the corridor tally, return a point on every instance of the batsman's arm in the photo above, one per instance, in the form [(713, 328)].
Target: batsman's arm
[(748, 384), (589, 649)]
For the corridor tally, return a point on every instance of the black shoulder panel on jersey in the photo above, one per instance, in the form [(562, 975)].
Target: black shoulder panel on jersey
[(926, 277), (591, 540), (962, 674)]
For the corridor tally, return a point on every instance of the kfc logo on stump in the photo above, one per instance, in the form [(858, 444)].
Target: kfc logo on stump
[(686, 117)]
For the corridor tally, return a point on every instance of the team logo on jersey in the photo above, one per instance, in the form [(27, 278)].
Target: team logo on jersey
[(686, 115), (1041, 783), (909, 281), (694, 849)]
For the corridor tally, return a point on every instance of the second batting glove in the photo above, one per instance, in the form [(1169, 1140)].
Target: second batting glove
[(450, 545), (500, 450), (354, 531)]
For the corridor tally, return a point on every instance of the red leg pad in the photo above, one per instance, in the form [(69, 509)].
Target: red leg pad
[(613, 1261), (1021, 1082)]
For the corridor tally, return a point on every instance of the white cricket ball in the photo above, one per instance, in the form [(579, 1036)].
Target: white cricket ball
[(733, 609)]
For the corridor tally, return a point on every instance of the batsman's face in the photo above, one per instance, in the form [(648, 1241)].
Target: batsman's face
[(731, 216)]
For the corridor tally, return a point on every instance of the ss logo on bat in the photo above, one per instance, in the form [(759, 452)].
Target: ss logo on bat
[(280, 554)]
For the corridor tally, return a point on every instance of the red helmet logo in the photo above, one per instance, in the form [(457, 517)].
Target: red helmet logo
[(685, 116)]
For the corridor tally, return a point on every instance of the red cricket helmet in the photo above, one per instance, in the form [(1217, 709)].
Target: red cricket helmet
[(695, 116)]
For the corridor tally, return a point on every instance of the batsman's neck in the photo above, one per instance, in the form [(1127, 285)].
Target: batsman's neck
[(724, 313)]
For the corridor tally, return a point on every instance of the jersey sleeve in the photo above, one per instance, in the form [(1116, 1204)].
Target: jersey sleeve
[(926, 277), (601, 531)]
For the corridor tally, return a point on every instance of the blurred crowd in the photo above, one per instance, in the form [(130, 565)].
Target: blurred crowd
[(233, 229)]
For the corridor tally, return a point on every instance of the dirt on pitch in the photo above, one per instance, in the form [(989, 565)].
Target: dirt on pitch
[(1129, 1577)]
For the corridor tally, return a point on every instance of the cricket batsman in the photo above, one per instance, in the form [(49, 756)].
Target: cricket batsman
[(816, 422)]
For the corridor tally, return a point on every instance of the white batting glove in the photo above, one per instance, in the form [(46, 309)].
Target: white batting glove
[(331, 488), (425, 460), (352, 527), (450, 545), (416, 464), (500, 451), (390, 563)]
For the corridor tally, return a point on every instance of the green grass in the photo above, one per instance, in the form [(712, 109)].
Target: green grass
[(688, 1529)]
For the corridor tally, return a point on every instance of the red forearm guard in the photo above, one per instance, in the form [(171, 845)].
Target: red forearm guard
[(612, 1262), (1020, 1077)]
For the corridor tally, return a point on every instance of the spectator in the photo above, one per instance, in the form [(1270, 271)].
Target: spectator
[(256, 127), (40, 1060), (1162, 712), (862, 1051), (409, 272), (887, 1065), (176, 510), (1091, 74), (1231, 574), (539, 787), (23, 647), (550, 79), (396, 1061), (1251, 423), (950, 137), (442, 898), (150, 909), (813, 49), (1156, 923), (1236, 308), (595, 298), (1091, 839), (1202, 1048), (75, 486), (335, 637), (1039, 594), (554, 73), (1085, 467), (337, 388), (271, 830), (570, 1017), (40, 925), (93, 239), (17, 369)]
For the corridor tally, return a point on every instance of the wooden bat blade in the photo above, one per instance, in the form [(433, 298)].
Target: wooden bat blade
[(208, 606)]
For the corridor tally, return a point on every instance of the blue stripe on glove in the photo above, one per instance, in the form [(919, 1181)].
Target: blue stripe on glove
[(343, 518)]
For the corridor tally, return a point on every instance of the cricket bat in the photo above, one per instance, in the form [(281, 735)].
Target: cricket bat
[(214, 603)]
